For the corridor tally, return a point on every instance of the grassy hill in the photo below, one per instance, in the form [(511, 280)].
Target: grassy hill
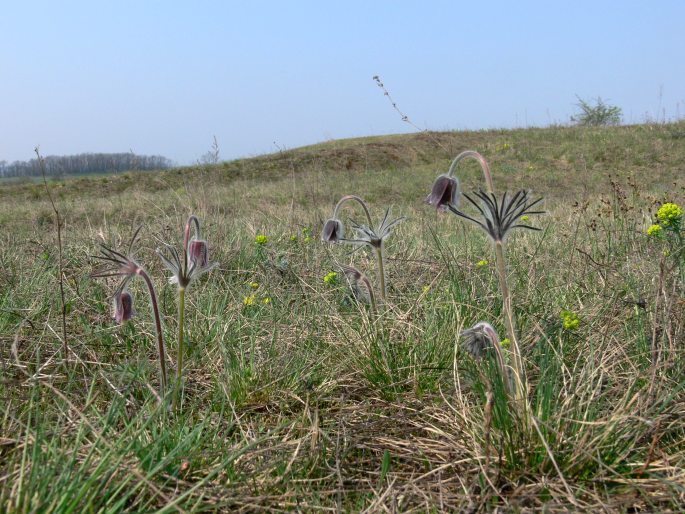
[(543, 156), (296, 395)]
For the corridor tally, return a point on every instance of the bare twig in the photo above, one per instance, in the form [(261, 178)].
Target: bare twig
[(403, 116), (60, 263)]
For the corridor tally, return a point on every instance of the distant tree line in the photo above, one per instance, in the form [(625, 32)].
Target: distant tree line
[(84, 163)]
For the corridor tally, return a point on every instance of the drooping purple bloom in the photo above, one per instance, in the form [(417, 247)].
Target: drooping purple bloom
[(198, 253), (123, 306), (445, 192), (193, 262), (333, 231)]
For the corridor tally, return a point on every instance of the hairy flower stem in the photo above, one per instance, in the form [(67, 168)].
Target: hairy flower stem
[(179, 357), (483, 164), (372, 295), (192, 220), (381, 270), (519, 378), (361, 202), (158, 328), (379, 249)]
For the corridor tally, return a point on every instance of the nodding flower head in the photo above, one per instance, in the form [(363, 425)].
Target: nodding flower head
[(194, 261), (198, 253), (333, 231), (123, 306), (500, 215), (366, 235), (445, 192), (478, 338), (355, 278), (475, 340)]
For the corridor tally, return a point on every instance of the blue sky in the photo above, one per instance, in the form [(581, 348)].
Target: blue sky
[(164, 77)]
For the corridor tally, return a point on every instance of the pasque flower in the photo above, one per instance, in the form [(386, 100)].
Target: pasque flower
[(365, 235), (185, 269), (355, 278), (333, 231), (195, 259), (198, 253), (445, 192), (119, 265), (497, 216), (123, 306), (478, 339)]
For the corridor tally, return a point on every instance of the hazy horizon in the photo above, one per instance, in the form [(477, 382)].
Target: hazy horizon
[(165, 78)]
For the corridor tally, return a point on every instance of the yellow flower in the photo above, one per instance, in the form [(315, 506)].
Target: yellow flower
[(505, 343), (307, 239), (426, 289), (482, 263), (266, 301), (669, 214), (261, 239), (525, 217), (254, 285), (571, 320), (654, 230), (248, 300), (293, 238), (331, 278)]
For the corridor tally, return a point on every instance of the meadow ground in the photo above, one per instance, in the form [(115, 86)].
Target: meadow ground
[(296, 397)]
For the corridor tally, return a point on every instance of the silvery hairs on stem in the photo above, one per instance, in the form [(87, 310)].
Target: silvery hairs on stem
[(500, 215)]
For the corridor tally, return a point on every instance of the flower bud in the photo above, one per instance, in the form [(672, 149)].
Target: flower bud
[(197, 253), (123, 307)]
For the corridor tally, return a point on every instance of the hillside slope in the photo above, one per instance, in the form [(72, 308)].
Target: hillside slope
[(562, 160)]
